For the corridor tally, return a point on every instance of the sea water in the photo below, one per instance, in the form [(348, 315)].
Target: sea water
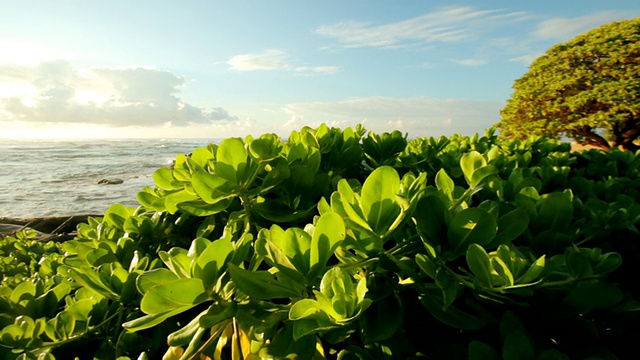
[(58, 178)]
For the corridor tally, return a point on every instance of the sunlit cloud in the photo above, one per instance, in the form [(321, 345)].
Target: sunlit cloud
[(419, 116), (450, 24), (25, 53), (275, 60), (266, 60), (567, 28), (55, 92)]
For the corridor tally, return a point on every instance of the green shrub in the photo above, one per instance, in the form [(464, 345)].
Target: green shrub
[(341, 244)]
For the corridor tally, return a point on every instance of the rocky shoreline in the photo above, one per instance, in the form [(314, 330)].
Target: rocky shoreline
[(51, 228)]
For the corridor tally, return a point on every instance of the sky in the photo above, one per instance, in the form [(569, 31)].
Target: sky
[(216, 69)]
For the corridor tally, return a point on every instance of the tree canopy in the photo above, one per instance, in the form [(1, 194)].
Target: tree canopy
[(587, 89)]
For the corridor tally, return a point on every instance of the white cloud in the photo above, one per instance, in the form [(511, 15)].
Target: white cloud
[(317, 69), (443, 25), (55, 92), (471, 62), (526, 59), (266, 60), (419, 116), (275, 60), (567, 28)]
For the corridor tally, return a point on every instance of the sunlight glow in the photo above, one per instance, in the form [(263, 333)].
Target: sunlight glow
[(29, 54)]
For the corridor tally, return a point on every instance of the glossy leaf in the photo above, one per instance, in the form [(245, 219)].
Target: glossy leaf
[(480, 264), (172, 295), (212, 261), (327, 236), (260, 284), (510, 226), (379, 193), (469, 226), (164, 179), (231, 160), (444, 183)]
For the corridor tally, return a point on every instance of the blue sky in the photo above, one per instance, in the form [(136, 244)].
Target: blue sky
[(215, 69)]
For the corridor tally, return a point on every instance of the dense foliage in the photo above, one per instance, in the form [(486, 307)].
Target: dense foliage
[(341, 244), (587, 89)]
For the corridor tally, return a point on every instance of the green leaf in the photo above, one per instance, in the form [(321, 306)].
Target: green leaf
[(201, 156), (444, 183), (231, 160), (593, 296), (554, 210), (184, 335), (427, 265), (91, 280), (81, 309), (304, 308), (177, 260), (429, 217), (24, 292), (172, 295), (328, 235), (116, 214), (265, 148), (211, 188), (149, 199), (172, 200), (201, 208), (260, 284), (503, 270), (346, 203), (211, 262), (578, 264), (517, 346), (473, 225), (469, 163), (480, 174), (533, 272), (217, 313), (449, 285), (608, 262), (154, 277), (164, 179), (151, 320), (452, 316), (381, 320), (510, 226), (288, 251), (480, 264), (308, 318), (379, 193), (481, 351)]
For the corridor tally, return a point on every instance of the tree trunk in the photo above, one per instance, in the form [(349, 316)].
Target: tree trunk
[(591, 138), (626, 133)]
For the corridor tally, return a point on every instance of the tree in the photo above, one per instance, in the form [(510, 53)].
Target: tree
[(587, 89)]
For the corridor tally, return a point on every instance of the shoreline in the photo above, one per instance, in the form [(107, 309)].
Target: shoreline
[(49, 228)]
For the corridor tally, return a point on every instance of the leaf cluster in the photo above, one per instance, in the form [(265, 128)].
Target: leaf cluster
[(343, 244)]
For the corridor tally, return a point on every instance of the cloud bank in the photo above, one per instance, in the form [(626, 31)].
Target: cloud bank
[(419, 116), (56, 92)]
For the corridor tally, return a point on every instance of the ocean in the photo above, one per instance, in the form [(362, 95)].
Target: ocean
[(41, 178)]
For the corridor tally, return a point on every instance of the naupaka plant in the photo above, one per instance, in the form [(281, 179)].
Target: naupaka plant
[(343, 244)]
